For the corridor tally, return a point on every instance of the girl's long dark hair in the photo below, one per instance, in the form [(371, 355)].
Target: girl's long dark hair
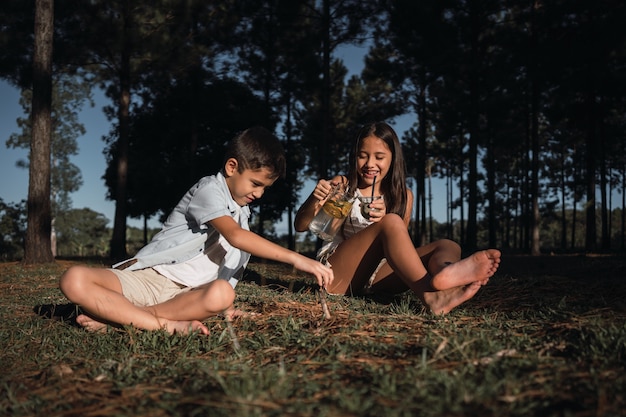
[(393, 186)]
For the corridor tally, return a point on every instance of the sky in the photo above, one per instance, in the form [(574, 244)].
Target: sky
[(91, 160)]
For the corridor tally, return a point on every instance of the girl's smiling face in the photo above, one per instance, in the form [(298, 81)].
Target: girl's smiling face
[(373, 159)]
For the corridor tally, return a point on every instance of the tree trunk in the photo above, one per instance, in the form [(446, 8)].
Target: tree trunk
[(534, 186), (604, 211), (37, 243), (506, 242), (623, 230), (563, 200), (491, 194), (449, 199), (118, 240), (323, 148), (590, 158), (429, 168), (421, 163), (472, 226), (291, 238), (534, 125), (461, 191), (527, 186)]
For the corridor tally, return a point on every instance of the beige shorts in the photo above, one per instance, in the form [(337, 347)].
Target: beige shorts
[(146, 287)]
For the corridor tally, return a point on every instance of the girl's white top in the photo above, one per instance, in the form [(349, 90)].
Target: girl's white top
[(354, 223)]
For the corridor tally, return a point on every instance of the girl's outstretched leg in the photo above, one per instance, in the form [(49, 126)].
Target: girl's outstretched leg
[(436, 266), (475, 268), (442, 302)]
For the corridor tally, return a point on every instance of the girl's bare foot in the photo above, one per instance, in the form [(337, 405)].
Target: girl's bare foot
[(475, 268), (442, 302)]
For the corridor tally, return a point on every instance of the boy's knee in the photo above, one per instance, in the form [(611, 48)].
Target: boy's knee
[(221, 295), (71, 280)]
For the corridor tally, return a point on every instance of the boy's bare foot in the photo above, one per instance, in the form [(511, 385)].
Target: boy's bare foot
[(185, 327), (90, 324), (475, 268), (236, 313), (442, 302), (170, 326)]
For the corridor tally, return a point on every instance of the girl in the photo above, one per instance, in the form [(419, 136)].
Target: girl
[(375, 253)]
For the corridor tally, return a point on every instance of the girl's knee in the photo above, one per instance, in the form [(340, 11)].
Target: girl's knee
[(449, 245), (392, 220)]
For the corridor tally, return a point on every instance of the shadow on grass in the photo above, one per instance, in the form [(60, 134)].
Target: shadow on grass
[(297, 283), (66, 313)]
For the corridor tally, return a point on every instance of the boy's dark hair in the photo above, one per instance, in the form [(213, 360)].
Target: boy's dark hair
[(257, 148)]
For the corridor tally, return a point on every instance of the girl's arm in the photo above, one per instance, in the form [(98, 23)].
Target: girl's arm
[(312, 205), (409, 206), (256, 245)]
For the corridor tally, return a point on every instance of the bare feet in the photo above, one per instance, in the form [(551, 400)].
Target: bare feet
[(90, 324), (231, 314), (170, 326), (475, 268), (442, 302), (185, 327)]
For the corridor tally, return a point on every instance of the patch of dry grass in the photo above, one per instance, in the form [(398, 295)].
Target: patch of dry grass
[(545, 340)]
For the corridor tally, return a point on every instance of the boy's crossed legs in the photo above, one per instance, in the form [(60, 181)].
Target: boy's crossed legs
[(99, 293)]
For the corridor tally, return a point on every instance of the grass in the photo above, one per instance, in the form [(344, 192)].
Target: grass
[(546, 337)]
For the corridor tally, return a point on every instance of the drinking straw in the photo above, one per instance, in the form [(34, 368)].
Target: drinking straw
[(373, 185)]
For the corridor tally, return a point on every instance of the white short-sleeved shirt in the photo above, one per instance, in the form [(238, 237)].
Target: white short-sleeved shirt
[(188, 250)]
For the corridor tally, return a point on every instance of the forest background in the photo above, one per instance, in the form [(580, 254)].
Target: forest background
[(519, 108)]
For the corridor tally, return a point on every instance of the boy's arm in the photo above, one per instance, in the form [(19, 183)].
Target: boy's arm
[(258, 246)]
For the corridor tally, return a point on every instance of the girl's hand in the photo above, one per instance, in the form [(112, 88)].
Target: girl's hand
[(323, 187), (377, 210), (314, 203)]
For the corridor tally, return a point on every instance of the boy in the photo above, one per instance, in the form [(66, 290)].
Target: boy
[(188, 271)]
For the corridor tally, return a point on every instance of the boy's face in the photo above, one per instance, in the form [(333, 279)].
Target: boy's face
[(246, 186)]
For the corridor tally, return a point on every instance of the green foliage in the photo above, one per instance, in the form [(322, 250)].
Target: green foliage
[(12, 229), (493, 75), (82, 232), (16, 41), (175, 140), (69, 94)]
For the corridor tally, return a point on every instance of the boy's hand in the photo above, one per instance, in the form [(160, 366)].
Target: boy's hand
[(323, 273)]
